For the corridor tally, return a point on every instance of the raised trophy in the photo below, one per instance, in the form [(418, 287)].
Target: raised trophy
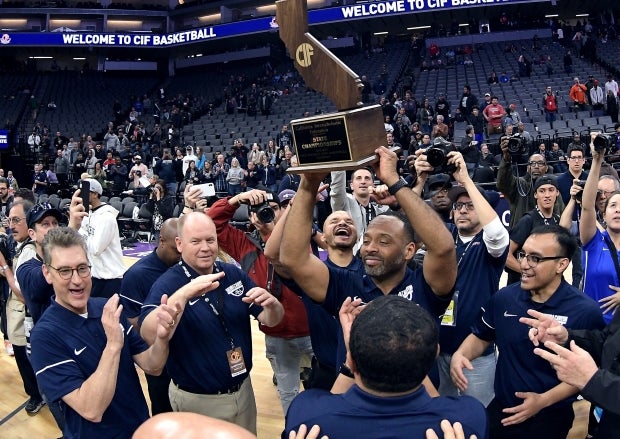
[(336, 141)]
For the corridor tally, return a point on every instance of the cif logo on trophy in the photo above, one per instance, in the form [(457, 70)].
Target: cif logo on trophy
[(337, 141)]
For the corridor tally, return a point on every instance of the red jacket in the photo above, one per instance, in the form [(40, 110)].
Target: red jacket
[(239, 246)]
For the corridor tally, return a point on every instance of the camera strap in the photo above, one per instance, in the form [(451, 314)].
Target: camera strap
[(614, 255)]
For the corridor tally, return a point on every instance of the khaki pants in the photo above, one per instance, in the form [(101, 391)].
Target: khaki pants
[(15, 313), (238, 408)]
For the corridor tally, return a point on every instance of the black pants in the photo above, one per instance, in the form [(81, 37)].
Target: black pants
[(552, 424), (25, 371), (158, 392)]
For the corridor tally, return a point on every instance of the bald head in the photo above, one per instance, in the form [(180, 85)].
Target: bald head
[(168, 229), (180, 425)]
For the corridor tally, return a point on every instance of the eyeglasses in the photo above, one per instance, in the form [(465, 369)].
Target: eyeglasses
[(537, 164), (575, 158), (458, 206), (15, 220), (66, 273), (533, 260), (606, 193)]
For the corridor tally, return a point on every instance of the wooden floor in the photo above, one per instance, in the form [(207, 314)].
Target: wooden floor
[(270, 417), (42, 425)]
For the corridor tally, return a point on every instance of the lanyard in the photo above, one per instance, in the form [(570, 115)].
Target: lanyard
[(546, 220), (469, 244), (216, 306)]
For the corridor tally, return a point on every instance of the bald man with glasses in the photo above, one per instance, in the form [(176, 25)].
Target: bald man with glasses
[(519, 190)]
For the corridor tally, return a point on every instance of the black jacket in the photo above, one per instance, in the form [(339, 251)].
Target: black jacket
[(603, 389)]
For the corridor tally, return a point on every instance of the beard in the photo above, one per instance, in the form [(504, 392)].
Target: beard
[(387, 268)]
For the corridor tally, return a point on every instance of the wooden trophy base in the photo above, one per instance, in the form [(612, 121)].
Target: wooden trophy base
[(338, 141)]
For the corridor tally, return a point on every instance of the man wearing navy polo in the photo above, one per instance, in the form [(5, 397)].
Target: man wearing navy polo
[(135, 287), (391, 347), (481, 248), (84, 349), (211, 354), (387, 246), (530, 401)]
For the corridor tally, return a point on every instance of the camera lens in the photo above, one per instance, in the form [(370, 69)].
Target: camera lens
[(435, 156), (265, 214), (601, 142)]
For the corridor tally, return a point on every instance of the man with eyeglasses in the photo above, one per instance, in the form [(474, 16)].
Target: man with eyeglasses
[(84, 349), (481, 247), (6, 199), (530, 401), (16, 308), (36, 291), (519, 191), (607, 185)]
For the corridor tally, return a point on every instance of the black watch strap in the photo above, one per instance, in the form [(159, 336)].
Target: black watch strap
[(401, 183), (344, 370)]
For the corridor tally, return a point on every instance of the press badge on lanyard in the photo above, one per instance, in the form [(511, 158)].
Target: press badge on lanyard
[(449, 315), (236, 362)]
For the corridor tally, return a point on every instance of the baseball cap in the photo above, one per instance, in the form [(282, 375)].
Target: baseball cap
[(137, 157), (40, 211), (487, 94), (457, 191), (286, 195), (95, 186), (436, 182), (545, 179)]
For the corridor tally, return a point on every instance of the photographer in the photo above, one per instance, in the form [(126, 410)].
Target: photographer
[(469, 149), (519, 190), (600, 280), (161, 206), (166, 170)]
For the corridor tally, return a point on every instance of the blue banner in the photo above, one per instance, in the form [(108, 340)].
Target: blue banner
[(265, 24)]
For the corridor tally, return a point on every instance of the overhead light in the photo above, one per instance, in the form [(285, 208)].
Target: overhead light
[(381, 33), (418, 27), (582, 15), (41, 57), (463, 24), (551, 15), (79, 58)]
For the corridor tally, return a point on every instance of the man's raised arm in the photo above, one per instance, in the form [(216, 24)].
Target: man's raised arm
[(440, 260), (310, 273)]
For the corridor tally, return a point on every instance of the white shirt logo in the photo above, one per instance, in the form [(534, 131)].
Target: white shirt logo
[(506, 314), (76, 352), (236, 289)]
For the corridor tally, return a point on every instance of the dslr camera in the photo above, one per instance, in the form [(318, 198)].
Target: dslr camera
[(437, 156), (517, 145), (605, 143), (263, 211)]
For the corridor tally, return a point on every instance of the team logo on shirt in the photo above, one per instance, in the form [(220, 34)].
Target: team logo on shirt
[(407, 293), (236, 289)]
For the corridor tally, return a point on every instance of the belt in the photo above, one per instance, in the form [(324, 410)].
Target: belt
[(228, 391)]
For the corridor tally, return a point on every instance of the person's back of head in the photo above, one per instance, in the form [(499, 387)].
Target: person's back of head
[(393, 344)]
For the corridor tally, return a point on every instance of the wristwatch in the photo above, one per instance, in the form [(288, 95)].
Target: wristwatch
[(345, 370), (401, 183)]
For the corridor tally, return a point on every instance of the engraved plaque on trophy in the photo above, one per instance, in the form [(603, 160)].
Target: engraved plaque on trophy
[(336, 141)]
